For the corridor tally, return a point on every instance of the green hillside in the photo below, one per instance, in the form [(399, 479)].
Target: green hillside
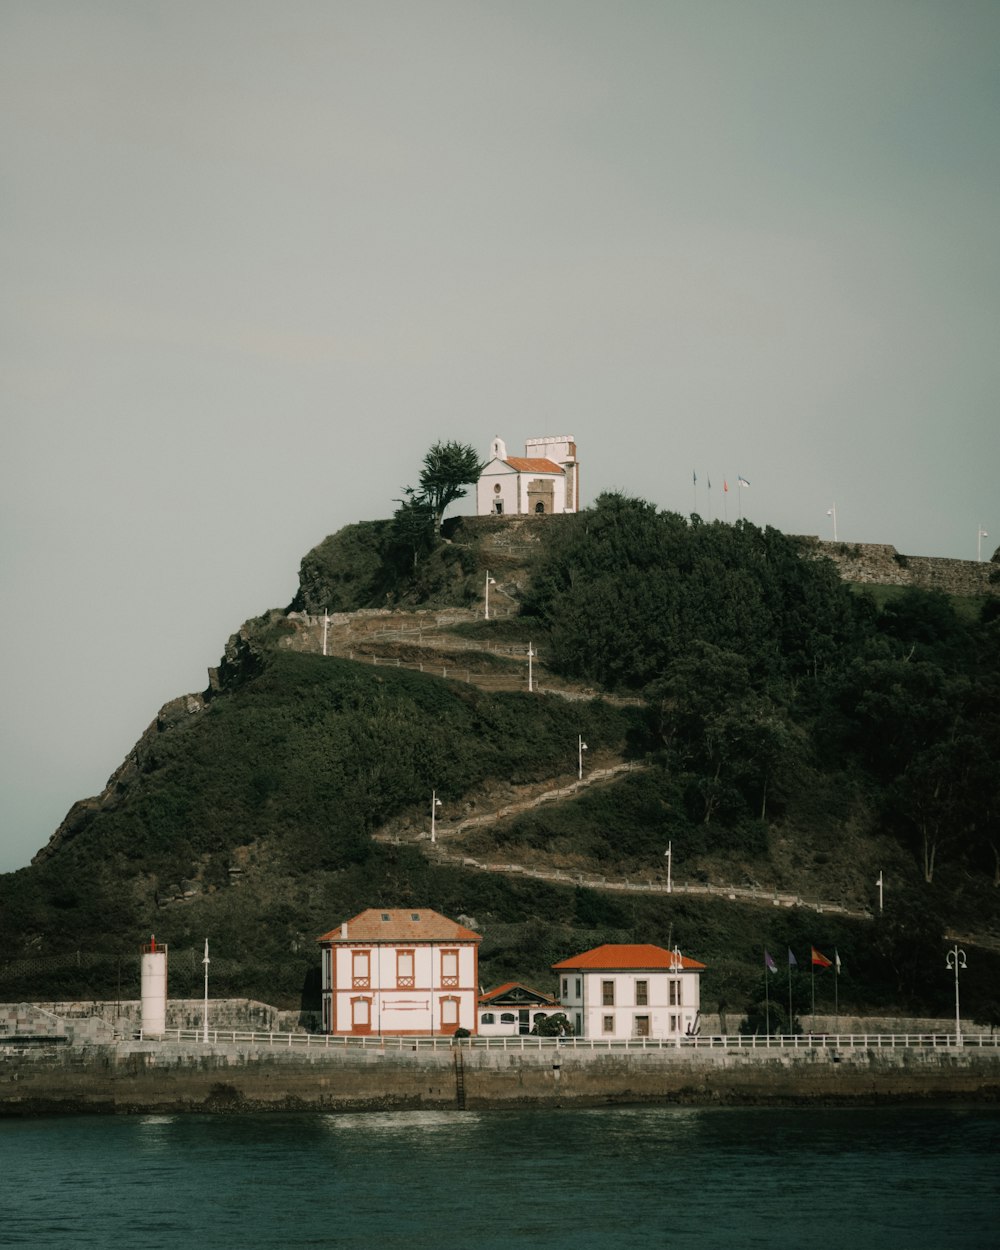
[(787, 734)]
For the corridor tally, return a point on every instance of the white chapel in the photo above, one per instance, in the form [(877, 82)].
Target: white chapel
[(544, 480)]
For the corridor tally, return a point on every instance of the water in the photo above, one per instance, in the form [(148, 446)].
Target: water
[(660, 1176)]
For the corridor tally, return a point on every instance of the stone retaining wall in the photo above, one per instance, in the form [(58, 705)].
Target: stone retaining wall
[(148, 1077), (880, 564)]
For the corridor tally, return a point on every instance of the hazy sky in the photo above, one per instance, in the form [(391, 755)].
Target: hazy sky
[(258, 255)]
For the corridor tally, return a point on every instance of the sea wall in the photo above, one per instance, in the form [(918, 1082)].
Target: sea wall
[(42, 1077)]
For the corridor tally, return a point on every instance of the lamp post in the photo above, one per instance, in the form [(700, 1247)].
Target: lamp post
[(668, 855), (832, 512), (326, 625), (979, 541), (581, 747), (435, 804), (490, 581), (205, 961), (954, 960), (531, 656)]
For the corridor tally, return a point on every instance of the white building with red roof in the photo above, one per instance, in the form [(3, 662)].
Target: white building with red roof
[(399, 971), (546, 479), (513, 1009), (620, 992)]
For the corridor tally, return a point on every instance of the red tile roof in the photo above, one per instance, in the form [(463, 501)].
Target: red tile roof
[(526, 464), (619, 957), (400, 924), (507, 986)]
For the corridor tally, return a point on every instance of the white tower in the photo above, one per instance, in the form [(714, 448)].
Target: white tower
[(154, 989)]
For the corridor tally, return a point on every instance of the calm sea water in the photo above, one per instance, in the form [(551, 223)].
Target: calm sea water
[(661, 1176)]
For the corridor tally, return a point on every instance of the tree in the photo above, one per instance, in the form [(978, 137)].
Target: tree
[(413, 527), (448, 469), (556, 1025)]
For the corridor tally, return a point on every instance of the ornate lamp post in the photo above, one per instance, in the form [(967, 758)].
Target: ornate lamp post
[(954, 960), (435, 804), (490, 581), (206, 962)]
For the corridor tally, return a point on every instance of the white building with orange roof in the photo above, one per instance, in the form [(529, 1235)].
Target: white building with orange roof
[(399, 971), (546, 479), (620, 992), (513, 1009)]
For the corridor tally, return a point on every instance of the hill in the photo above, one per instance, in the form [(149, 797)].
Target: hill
[(788, 738)]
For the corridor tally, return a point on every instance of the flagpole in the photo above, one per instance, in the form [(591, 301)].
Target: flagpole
[(789, 991), (836, 988), (767, 997)]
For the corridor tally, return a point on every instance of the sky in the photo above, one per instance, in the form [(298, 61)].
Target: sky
[(258, 255)]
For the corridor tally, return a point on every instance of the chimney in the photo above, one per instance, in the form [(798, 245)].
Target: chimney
[(343, 928)]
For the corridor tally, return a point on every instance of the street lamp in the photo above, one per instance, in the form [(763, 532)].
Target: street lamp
[(206, 961), (668, 855), (979, 541), (581, 747), (435, 804), (954, 960), (490, 581), (531, 656)]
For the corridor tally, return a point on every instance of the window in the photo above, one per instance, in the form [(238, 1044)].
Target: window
[(642, 993), (414, 915), (578, 987), (361, 1015), (487, 1018), (449, 969), (674, 1023), (360, 970), (565, 987), (578, 1028), (404, 970), (607, 993), (327, 968), (508, 1017), (385, 916), (675, 994), (608, 1024), (642, 1026), (449, 1013)]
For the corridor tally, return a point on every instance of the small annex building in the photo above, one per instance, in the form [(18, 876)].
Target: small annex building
[(399, 971), (545, 480), (620, 992), (513, 1009)]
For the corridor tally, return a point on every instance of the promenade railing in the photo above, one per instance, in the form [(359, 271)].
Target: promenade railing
[(803, 1041)]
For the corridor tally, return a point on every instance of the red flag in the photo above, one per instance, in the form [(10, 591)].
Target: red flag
[(820, 961)]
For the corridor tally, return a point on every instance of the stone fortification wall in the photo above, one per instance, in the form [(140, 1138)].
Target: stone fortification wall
[(246, 1015), (879, 564), (243, 1014), (187, 1077)]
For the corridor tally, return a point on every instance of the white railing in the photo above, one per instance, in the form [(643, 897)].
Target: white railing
[(804, 1041)]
